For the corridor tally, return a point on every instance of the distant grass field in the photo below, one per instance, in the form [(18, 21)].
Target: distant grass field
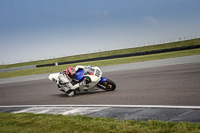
[(101, 63), (26, 122), (107, 53)]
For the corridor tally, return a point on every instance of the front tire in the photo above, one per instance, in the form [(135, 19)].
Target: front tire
[(107, 85)]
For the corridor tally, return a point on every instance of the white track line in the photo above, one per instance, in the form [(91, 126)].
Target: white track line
[(62, 110), (83, 110), (121, 106)]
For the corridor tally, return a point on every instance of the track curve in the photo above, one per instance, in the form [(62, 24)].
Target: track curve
[(165, 85)]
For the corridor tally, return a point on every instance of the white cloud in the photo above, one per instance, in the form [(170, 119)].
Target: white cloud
[(151, 21)]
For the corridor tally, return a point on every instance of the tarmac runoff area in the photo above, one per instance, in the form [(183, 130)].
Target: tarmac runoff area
[(121, 112)]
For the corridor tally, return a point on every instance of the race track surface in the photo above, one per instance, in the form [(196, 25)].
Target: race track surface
[(164, 85)]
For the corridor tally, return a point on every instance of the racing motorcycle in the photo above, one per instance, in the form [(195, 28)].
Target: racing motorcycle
[(97, 81)]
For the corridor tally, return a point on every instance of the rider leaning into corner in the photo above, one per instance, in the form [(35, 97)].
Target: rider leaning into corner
[(67, 79)]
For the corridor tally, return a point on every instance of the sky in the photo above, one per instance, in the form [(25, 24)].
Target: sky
[(42, 29)]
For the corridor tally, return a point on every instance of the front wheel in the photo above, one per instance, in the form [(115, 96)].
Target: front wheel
[(107, 85)]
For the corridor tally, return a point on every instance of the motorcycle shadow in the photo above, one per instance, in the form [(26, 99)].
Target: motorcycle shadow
[(80, 93), (89, 92)]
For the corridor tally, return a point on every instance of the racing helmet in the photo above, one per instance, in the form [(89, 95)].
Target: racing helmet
[(70, 72)]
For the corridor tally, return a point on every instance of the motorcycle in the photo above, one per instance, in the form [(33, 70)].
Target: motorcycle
[(96, 80)]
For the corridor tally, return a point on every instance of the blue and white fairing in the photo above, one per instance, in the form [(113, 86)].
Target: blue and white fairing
[(80, 76)]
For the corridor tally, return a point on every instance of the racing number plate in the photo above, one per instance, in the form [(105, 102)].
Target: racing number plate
[(97, 73)]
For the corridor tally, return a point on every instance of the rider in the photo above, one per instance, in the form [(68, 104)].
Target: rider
[(67, 79)]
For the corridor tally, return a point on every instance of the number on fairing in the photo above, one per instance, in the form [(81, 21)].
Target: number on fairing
[(97, 73)]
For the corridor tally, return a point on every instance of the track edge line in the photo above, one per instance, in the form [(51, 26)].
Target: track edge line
[(114, 106)]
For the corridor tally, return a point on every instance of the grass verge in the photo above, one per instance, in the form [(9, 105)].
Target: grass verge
[(107, 53), (101, 63), (27, 122)]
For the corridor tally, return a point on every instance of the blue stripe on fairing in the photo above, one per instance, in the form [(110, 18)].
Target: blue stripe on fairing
[(79, 75)]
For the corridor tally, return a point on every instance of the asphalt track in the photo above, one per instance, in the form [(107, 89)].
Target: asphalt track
[(176, 85), (165, 85)]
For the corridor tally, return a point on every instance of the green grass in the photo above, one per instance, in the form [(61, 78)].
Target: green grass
[(48, 123), (101, 63), (107, 53)]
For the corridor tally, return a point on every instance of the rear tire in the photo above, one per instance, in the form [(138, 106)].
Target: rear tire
[(108, 85)]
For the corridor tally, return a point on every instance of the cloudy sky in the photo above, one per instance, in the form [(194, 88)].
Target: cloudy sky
[(43, 29)]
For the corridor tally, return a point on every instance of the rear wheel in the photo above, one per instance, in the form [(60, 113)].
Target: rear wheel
[(108, 85)]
